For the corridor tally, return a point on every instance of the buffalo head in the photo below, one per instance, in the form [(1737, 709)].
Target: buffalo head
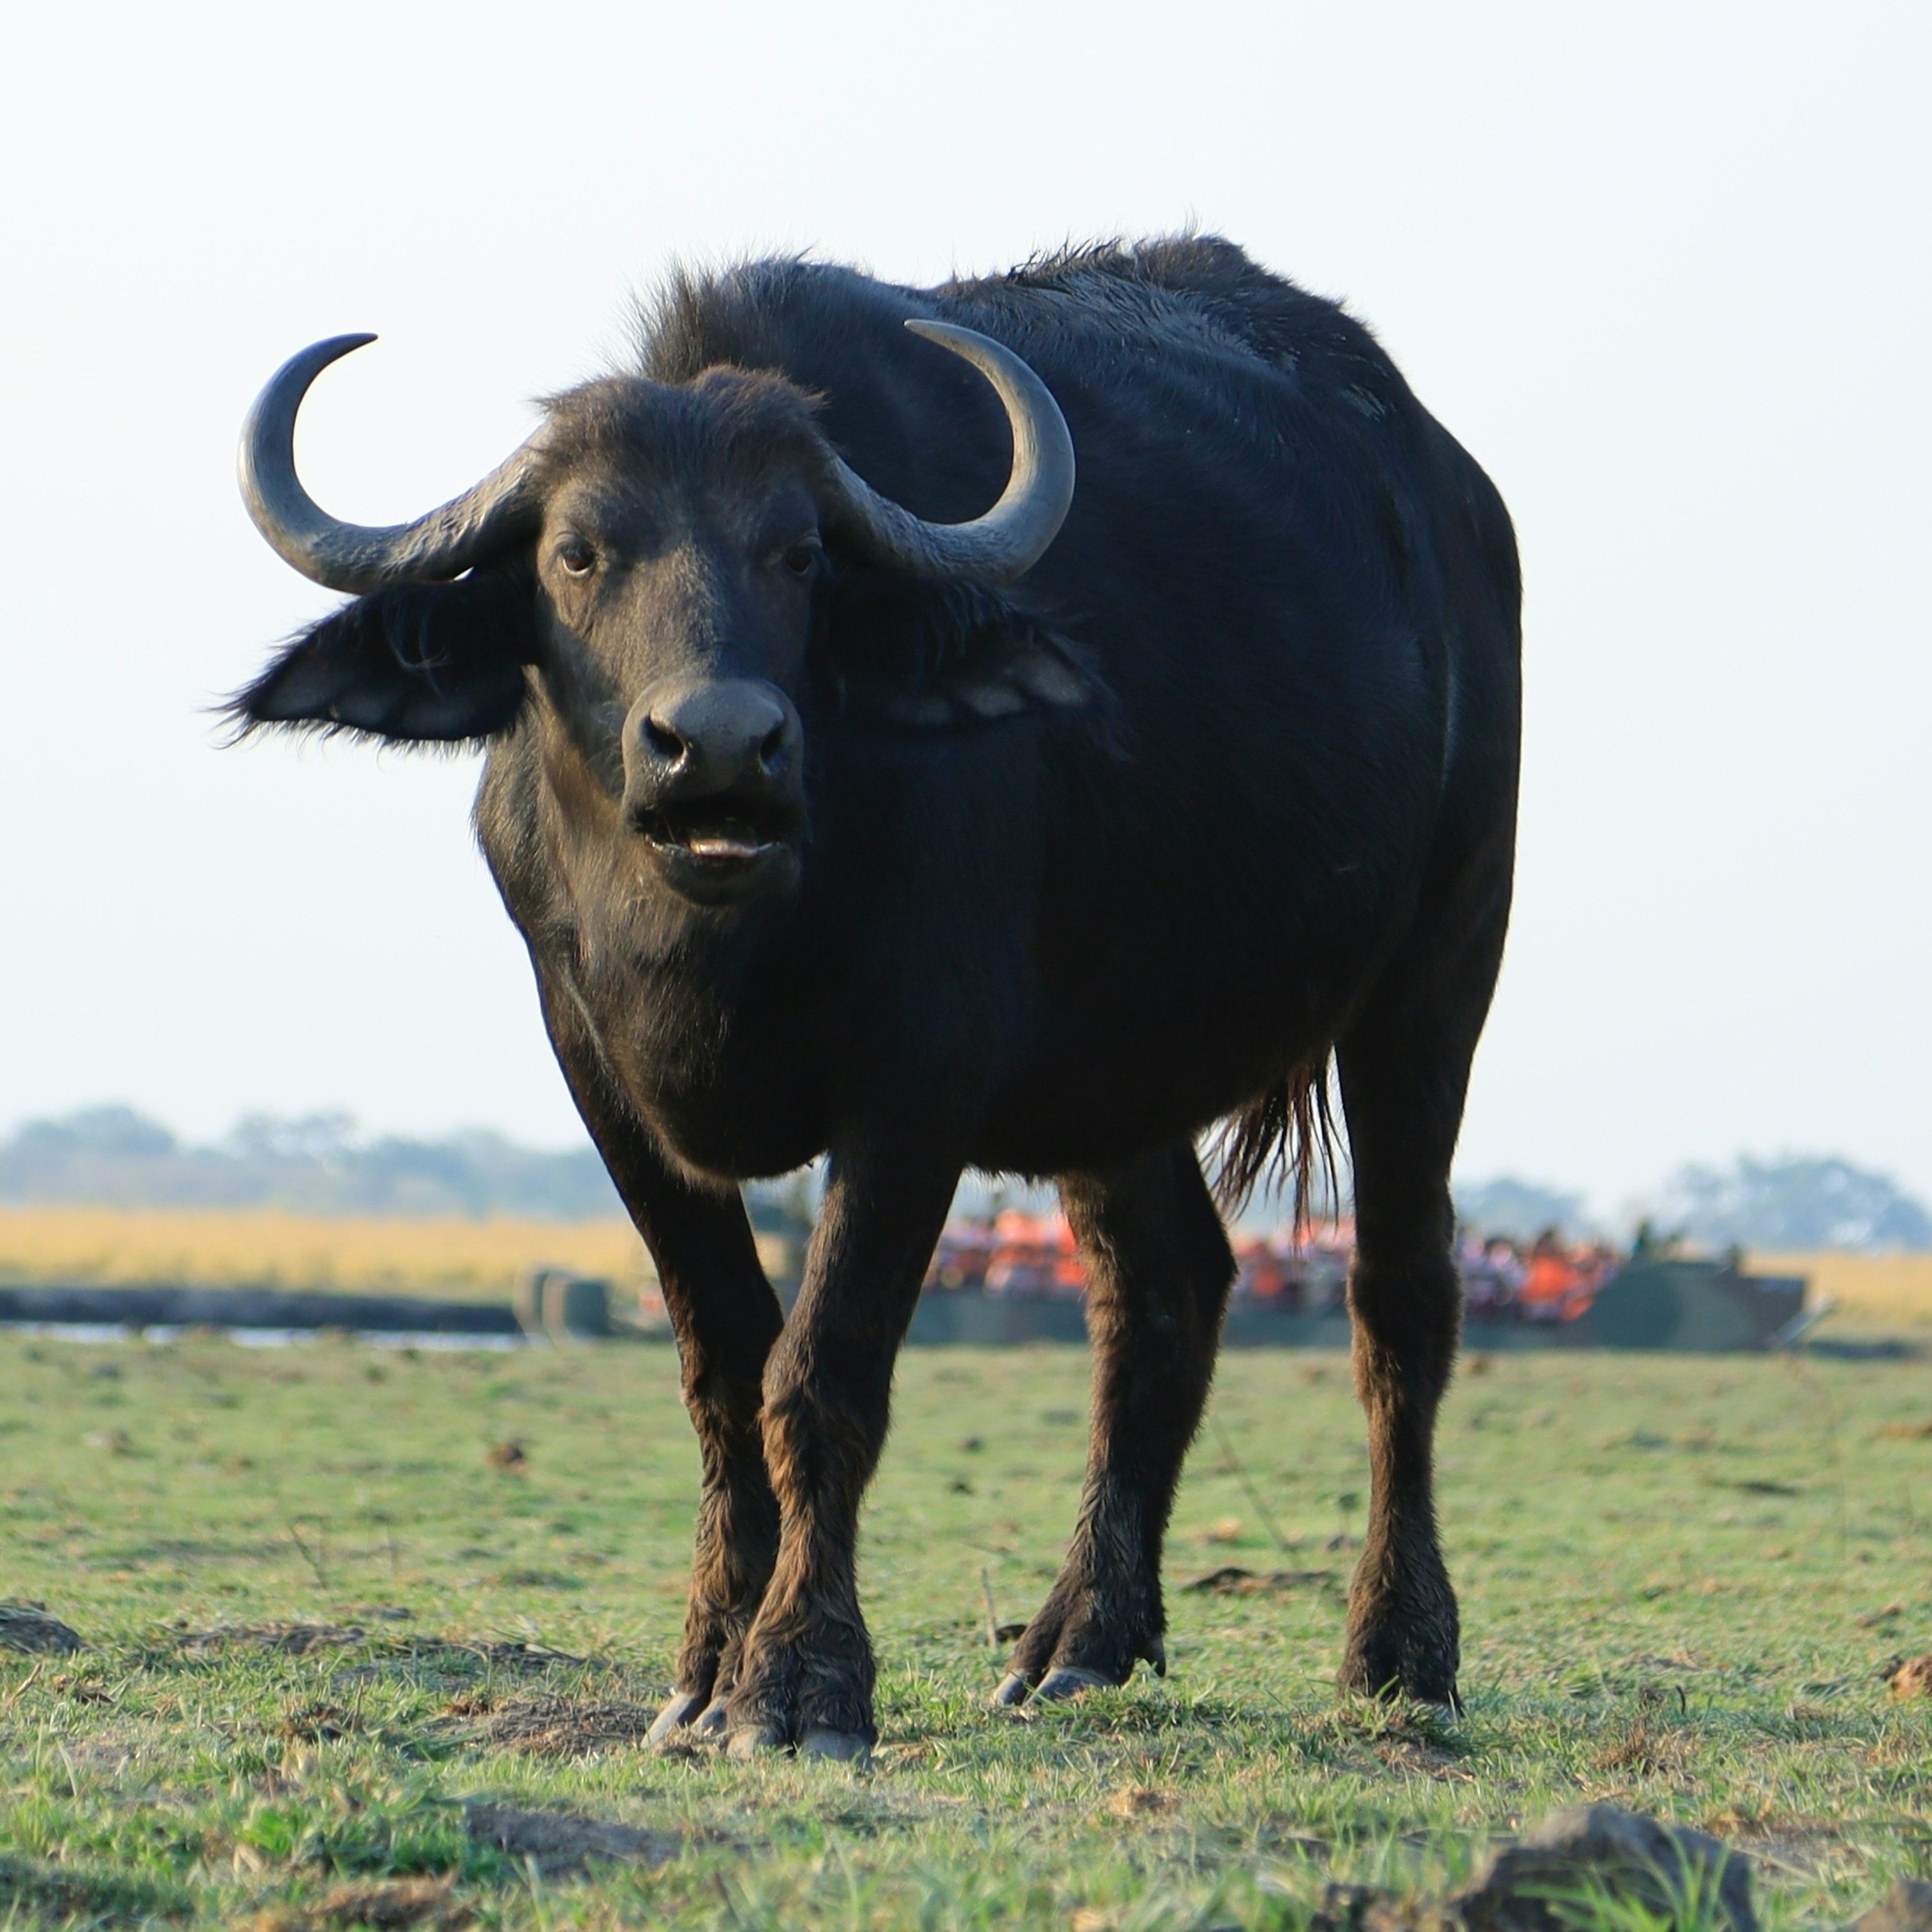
[(656, 552)]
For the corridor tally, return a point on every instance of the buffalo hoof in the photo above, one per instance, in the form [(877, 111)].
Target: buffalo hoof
[(710, 1723), (685, 1706), (839, 1746), (1021, 1699), (1014, 1690), (1068, 1680), (755, 1740)]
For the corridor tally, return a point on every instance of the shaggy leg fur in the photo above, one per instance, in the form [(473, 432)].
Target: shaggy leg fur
[(805, 1676), (1404, 1070), (1158, 1271), (726, 1318)]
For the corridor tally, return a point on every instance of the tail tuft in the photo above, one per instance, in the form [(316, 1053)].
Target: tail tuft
[(1289, 1134)]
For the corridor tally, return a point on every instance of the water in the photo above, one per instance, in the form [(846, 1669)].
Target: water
[(260, 1338)]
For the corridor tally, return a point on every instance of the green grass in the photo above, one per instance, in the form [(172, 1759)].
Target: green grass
[(1681, 1579)]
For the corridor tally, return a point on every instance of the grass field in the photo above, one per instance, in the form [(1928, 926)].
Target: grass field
[(1681, 1580)]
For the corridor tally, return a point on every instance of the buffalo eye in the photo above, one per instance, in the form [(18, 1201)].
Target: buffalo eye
[(577, 556), (800, 559)]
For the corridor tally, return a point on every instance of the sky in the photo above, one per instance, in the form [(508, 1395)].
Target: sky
[(1665, 269)]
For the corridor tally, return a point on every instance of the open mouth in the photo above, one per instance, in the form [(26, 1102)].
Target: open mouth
[(720, 834)]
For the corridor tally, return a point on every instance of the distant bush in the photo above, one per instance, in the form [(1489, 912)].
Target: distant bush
[(1795, 1203), (314, 1164), (1522, 1209)]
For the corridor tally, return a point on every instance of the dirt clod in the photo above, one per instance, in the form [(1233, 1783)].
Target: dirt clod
[(510, 1456), (1913, 1678), (27, 1626), (560, 1841), (1596, 1848)]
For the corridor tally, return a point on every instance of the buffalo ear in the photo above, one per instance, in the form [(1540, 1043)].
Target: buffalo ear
[(427, 663)]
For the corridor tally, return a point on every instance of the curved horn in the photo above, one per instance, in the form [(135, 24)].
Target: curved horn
[(351, 556), (1013, 535)]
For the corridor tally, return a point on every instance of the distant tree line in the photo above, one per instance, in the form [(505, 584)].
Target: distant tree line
[(315, 1164), (1795, 1204), (318, 1164)]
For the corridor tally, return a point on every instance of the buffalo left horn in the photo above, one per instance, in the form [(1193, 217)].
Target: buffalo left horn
[(352, 556), (1013, 535)]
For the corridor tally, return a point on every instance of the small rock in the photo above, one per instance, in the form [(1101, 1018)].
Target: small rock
[(27, 1627), (1906, 1907), (1913, 1678), (1598, 1848), (559, 1841)]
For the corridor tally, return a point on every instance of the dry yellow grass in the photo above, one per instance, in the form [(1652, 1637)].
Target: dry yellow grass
[(479, 1258), (483, 1259), (1876, 1287)]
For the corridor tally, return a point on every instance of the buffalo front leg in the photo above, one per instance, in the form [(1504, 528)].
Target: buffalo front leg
[(806, 1679), (723, 1338), (1158, 1271), (725, 1318)]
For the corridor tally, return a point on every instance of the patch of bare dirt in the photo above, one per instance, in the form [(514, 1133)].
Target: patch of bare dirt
[(1231, 1580), (1141, 1801), (394, 1906), (1799, 1844), (553, 1726), (293, 1639), (1420, 1757), (1646, 1748), (560, 1841), (316, 1723), (27, 1626)]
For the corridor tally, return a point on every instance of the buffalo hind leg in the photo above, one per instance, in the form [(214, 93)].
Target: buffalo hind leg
[(1158, 1271), (725, 1318), (1405, 1069)]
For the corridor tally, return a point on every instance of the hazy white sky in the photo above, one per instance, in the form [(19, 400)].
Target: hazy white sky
[(1664, 269)]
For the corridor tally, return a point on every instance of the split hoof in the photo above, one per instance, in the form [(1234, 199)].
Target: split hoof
[(838, 1747), (1013, 1692), (708, 1725), (675, 1715), (1069, 1680), (754, 1741)]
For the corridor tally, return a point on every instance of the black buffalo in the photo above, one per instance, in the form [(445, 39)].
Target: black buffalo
[(848, 816)]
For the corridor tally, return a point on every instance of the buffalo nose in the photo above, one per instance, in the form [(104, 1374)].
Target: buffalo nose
[(694, 739)]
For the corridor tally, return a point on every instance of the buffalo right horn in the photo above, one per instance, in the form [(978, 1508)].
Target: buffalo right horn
[(1012, 536), (352, 556)]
